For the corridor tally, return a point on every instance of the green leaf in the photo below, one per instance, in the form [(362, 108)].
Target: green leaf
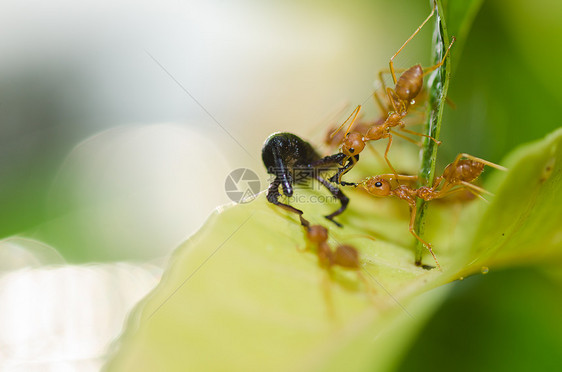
[(459, 15), (243, 294), (522, 224), (243, 289)]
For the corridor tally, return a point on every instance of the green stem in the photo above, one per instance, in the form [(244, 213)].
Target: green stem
[(438, 83)]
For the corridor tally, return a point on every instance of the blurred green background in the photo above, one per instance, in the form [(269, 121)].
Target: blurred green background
[(72, 73), (507, 93)]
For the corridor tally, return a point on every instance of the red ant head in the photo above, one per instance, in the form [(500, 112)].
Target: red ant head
[(377, 186), (317, 234), (353, 144)]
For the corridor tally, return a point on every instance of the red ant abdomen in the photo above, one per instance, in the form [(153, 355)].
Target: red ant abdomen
[(464, 170), (410, 84), (346, 256)]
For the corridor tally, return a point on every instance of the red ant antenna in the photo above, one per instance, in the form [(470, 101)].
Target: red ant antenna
[(354, 113)]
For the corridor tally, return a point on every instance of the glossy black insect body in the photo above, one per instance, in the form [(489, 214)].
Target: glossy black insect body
[(286, 156)]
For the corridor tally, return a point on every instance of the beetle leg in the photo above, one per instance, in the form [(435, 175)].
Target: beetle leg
[(273, 197), (282, 174), (335, 191)]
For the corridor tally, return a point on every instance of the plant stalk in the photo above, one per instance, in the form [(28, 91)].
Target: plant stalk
[(437, 85)]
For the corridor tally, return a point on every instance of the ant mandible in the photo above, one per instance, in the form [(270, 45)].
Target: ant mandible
[(288, 157), (459, 173), (406, 89)]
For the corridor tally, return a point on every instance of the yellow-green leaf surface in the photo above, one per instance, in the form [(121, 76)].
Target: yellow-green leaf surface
[(246, 294), (523, 223)]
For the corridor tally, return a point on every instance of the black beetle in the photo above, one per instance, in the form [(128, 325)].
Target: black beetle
[(287, 156)]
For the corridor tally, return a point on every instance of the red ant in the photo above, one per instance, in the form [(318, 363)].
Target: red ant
[(334, 136), (459, 173), (463, 171), (344, 256), (407, 87)]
